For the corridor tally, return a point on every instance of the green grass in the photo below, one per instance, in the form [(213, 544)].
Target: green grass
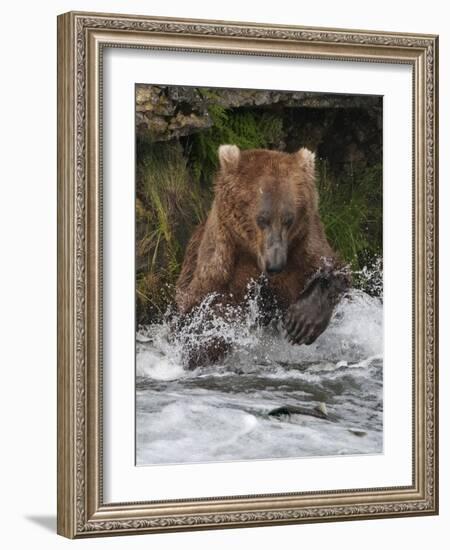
[(248, 129), (351, 210), (169, 204)]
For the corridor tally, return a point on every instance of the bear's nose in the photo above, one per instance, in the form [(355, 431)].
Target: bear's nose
[(272, 269), (276, 256)]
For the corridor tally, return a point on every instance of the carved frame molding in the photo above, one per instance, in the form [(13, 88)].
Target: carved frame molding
[(81, 39)]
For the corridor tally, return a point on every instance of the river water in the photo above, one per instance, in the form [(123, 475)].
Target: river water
[(330, 393)]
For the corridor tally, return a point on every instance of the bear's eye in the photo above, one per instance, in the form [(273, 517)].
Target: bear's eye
[(263, 221), (288, 221)]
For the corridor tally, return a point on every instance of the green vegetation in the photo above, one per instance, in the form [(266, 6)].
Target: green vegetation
[(169, 204), (245, 128), (351, 210)]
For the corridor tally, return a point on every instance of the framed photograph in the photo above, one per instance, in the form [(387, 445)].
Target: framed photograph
[(247, 274)]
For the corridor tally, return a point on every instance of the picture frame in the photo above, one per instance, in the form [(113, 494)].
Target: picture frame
[(82, 40)]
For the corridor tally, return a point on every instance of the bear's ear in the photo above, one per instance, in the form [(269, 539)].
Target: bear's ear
[(307, 160), (229, 156)]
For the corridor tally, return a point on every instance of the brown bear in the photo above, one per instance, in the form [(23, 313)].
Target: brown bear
[(264, 220)]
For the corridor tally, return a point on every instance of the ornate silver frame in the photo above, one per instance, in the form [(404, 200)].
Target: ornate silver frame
[(81, 38)]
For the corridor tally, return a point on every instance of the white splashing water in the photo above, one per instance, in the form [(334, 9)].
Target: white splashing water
[(221, 412)]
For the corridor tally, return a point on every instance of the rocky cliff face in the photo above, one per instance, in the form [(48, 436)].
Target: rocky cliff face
[(340, 128)]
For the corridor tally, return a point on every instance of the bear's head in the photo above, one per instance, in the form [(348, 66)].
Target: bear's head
[(267, 200)]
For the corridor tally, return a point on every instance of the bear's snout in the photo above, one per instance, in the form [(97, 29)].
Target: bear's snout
[(276, 258), (272, 270)]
